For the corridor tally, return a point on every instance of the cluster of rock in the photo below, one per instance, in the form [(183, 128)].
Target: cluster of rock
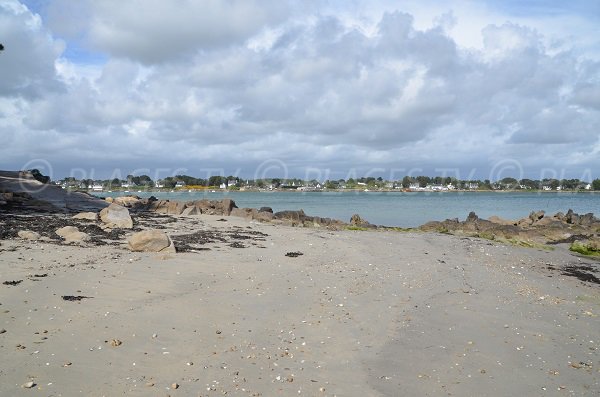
[(537, 227), (227, 207), (287, 218), (114, 216), (168, 207)]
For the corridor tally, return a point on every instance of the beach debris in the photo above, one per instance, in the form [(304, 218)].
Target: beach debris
[(28, 235), (294, 254), (150, 241), (2, 331), (115, 342), (194, 242), (175, 386), (13, 282), (76, 298), (116, 216), (28, 385), (582, 271)]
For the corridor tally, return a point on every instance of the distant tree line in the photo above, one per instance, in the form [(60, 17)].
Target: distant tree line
[(421, 181)]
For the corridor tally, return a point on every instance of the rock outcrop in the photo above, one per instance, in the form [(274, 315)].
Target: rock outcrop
[(535, 228), (116, 216), (206, 207), (150, 241), (21, 190)]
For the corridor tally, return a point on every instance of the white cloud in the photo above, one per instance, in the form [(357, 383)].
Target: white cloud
[(235, 83), (27, 62)]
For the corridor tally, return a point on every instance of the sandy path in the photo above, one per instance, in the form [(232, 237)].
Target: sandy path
[(358, 314)]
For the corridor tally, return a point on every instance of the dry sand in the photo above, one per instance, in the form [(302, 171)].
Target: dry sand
[(357, 314)]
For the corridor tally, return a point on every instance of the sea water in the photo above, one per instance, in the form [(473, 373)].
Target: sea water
[(404, 209)]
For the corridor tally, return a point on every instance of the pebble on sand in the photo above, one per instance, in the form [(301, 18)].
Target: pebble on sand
[(28, 385)]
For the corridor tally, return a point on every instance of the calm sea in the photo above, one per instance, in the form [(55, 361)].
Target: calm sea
[(399, 208)]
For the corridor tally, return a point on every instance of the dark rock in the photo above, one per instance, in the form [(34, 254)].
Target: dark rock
[(266, 209), (472, 217), (357, 221), (263, 216), (298, 216), (243, 212), (536, 216), (572, 217), (587, 219)]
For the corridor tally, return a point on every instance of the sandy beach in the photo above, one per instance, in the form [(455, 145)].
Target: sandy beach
[(264, 310)]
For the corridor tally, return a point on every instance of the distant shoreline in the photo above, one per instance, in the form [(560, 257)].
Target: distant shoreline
[(399, 191)]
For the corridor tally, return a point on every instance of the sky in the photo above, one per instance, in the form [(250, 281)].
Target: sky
[(309, 89)]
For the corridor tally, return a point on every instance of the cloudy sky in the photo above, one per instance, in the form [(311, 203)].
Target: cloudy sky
[(325, 89)]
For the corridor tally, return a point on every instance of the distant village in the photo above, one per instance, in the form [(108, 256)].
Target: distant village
[(414, 184)]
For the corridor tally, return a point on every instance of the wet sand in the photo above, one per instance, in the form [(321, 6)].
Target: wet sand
[(358, 313)]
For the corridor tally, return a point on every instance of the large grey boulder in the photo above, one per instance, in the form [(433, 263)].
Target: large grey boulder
[(116, 216), (150, 241)]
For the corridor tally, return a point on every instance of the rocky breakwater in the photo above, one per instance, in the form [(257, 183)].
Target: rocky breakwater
[(173, 207), (227, 207), (536, 229), (287, 218)]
